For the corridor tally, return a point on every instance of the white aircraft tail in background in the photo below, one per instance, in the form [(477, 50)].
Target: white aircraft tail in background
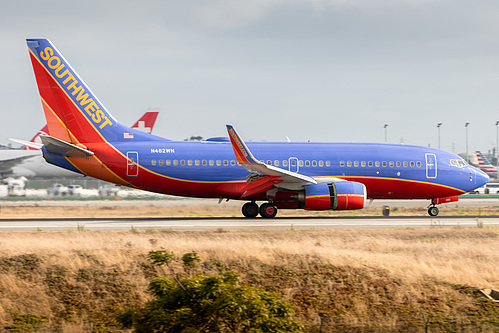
[(485, 166)]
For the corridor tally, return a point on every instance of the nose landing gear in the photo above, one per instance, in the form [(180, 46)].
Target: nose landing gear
[(433, 210), (267, 210)]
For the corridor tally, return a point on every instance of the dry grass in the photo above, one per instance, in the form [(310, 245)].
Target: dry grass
[(459, 255), (392, 266)]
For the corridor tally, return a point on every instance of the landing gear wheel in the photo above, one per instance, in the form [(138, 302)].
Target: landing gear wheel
[(268, 210), (250, 210), (433, 211)]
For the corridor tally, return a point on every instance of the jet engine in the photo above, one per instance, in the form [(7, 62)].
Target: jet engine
[(341, 195)]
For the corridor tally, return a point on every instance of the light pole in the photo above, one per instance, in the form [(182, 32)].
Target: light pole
[(438, 127), (497, 144), (467, 156), (386, 133)]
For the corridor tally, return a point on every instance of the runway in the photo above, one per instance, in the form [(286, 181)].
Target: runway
[(220, 224)]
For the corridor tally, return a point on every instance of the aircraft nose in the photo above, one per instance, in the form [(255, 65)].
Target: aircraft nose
[(481, 178)]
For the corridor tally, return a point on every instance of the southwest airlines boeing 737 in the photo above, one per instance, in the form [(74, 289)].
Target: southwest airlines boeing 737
[(86, 138)]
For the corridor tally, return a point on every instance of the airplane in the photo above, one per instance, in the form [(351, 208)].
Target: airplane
[(86, 138), (485, 166), (29, 161)]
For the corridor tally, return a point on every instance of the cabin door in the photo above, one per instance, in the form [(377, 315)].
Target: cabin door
[(431, 166), (132, 164), (293, 164)]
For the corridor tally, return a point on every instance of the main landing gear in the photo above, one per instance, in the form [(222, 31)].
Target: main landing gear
[(267, 210)]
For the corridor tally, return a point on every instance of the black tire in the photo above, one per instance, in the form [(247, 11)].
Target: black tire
[(268, 211), (250, 210), (433, 211)]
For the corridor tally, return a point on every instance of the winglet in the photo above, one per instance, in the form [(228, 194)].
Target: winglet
[(243, 154)]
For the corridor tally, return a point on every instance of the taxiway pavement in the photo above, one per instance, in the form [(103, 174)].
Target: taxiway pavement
[(219, 224)]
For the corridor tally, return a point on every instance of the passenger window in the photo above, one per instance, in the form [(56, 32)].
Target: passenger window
[(419, 164), (349, 163), (342, 163), (376, 163), (269, 162), (226, 163), (219, 163), (189, 162), (321, 164), (153, 162), (160, 162), (363, 164), (232, 162), (307, 163), (405, 164), (212, 163), (293, 163), (328, 163), (284, 163), (168, 162), (356, 164), (398, 164), (203, 162), (276, 163), (412, 164), (175, 162), (392, 164), (384, 164), (300, 163), (182, 162), (370, 163), (196, 162)]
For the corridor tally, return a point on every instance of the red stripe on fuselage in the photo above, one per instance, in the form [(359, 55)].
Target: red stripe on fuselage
[(389, 188), (109, 164)]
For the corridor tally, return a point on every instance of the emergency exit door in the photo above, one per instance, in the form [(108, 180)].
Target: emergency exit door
[(132, 164), (431, 166)]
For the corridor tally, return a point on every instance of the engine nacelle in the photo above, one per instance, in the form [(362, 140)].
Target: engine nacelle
[(350, 195), (341, 195)]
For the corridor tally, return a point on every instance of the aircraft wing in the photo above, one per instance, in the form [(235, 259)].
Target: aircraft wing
[(7, 164), (284, 178)]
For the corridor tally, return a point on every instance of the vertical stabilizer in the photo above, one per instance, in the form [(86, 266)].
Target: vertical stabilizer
[(73, 112)]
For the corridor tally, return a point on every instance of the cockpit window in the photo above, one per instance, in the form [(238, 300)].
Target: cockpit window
[(459, 163)]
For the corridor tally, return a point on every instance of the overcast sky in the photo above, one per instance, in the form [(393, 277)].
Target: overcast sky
[(333, 71)]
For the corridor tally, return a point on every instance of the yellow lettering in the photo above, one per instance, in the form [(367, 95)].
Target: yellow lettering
[(97, 116), (48, 53), (76, 89), (70, 77), (107, 122), (91, 108), (83, 97), (50, 62), (57, 71)]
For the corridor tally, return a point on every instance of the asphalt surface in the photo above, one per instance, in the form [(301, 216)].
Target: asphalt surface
[(241, 223), (208, 223)]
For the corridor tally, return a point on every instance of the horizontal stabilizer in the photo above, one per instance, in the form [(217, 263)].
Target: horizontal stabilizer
[(34, 145), (64, 148)]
